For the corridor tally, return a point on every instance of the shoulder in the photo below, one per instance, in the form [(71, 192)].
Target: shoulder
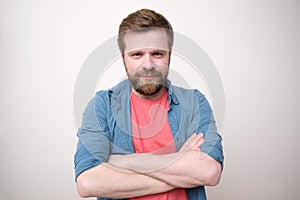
[(190, 99), (116, 90), (183, 93)]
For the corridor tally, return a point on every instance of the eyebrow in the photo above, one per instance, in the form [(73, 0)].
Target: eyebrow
[(148, 49)]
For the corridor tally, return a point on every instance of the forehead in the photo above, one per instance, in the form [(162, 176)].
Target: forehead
[(146, 39)]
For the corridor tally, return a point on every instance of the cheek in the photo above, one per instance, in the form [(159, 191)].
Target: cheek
[(131, 64), (162, 62), (165, 71)]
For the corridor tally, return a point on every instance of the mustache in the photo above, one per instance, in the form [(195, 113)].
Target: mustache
[(145, 72), (148, 73), (148, 67)]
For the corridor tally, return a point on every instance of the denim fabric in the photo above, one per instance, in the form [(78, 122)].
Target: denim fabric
[(106, 127)]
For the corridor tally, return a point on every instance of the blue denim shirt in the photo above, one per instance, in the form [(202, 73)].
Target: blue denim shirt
[(106, 127)]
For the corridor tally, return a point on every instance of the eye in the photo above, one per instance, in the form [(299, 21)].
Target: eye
[(158, 54), (136, 54)]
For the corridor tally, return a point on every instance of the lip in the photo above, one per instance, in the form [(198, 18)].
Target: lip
[(148, 77)]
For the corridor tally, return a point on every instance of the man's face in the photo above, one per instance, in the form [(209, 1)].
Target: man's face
[(146, 60)]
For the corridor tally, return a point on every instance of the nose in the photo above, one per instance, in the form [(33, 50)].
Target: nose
[(148, 62)]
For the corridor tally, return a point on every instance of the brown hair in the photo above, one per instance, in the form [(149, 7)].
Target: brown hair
[(141, 20)]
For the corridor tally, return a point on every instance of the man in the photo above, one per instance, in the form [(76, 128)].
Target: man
[(145, 138)]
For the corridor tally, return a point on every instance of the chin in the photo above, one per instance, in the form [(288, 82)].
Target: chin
[(149, 89)]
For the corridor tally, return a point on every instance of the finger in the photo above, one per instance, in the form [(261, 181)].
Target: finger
[(198, 140), (200, 135), (187, 144), (201, 142), (190, 140)]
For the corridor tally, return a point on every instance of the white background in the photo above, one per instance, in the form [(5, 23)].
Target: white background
[(254, 45)]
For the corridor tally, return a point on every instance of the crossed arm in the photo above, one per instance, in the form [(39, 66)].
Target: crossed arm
[(133, 175)]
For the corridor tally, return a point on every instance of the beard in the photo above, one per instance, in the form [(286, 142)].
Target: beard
[(147, 87)]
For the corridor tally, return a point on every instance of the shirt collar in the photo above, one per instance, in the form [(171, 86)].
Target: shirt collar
[(124, 86), (171, 95)]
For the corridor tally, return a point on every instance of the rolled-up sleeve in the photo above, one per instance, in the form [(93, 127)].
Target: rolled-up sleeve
[(93, 146), (212, 139)]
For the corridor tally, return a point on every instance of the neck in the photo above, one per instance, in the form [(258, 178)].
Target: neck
[(150, 97)]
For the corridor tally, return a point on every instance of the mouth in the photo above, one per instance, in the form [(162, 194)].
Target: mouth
[(148, 77)]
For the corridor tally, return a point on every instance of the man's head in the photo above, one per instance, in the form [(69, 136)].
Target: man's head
[(145, 41), (143, 20)]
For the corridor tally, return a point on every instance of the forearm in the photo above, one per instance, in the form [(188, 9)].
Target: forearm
[(181, 169), (112, 182)]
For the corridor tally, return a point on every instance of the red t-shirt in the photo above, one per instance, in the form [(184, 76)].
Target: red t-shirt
[(151, 133)]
